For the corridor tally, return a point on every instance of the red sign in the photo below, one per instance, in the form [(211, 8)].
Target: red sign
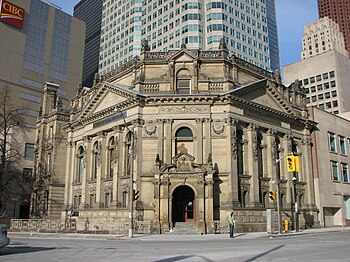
[(12, 14)]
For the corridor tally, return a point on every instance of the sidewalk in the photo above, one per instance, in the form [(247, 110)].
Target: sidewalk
[(166, 237)]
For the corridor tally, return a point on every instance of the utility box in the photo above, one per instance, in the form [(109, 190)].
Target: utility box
[(270, 222)]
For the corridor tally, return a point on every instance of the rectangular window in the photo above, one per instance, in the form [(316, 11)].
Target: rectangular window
[(334, 170), (332, 142), (183, 86), (27, 174), (345, 172), (29, 151), (342, 145)]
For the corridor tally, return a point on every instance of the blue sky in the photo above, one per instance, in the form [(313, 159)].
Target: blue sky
[(292, 15)]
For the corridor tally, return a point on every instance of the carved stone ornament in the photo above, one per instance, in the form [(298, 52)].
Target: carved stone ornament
[(150, 128), (218, 127)]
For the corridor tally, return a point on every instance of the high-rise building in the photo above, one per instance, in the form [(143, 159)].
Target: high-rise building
[(338, 11), (273, 35), (322, 36), (324, 67), (84, 10), (246, 27), (43, 45)]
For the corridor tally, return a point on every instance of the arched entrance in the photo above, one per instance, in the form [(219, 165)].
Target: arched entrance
[(183, 204)]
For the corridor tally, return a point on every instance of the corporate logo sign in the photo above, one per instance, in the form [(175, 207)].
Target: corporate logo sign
[(11, 14)]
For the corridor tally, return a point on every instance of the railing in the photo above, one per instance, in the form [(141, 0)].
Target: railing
[(63, 225)]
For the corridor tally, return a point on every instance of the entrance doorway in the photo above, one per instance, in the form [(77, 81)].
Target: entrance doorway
[(183, 205)]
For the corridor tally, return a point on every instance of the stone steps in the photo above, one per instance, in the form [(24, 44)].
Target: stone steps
[(184, 228)]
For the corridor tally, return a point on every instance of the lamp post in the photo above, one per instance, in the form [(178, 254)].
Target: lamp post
[(294, 179), (130, 137)]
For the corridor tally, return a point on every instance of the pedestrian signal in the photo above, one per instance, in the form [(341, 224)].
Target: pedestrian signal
[(135, 194), (291, 164), (272, 195)]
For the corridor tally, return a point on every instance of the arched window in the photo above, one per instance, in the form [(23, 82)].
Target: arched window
[(94, 161), (184, 140), (111, 157), (80, 171)]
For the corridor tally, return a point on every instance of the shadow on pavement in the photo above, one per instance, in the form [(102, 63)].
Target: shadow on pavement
[(263, 254), (179, 258), (11, 250)]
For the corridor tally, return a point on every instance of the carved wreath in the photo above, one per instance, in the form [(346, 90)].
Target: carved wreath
[(150, 128), (218, 127)]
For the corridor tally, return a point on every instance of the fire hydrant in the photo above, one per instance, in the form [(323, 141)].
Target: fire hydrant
[(286, 225)]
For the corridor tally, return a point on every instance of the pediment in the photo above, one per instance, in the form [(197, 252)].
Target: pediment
[(266, 95), (105, 98), (109, 99), (184, 56)]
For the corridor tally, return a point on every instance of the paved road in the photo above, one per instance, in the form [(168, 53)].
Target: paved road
[(316, 246)]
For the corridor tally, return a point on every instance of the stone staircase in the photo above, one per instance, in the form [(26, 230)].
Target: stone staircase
[(184, 228)]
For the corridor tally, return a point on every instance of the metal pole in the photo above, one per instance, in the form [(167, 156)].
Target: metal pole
[(279, 206), (295, 202)]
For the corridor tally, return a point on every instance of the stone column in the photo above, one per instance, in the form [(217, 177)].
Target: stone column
[(160, 141), (115, 164), (101, 167), (287, 145), (209, 203), (168, 137), (199, 147), (117, 187), (87, 173), (305, 173), (207, 140), (200, 204), (253, 165), (164, 203), (233, 200), (71, 171), (271, 160), (156, 205)]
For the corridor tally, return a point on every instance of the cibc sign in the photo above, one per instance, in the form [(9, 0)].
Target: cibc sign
[(11, 14)]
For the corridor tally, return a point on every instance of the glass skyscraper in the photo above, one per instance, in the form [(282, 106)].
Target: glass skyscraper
[(248, 26)]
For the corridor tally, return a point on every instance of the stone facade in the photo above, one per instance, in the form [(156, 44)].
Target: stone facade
[(199, 134)]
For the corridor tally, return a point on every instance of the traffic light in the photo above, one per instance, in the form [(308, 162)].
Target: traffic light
[(272, 195), (135, 194), (296, 163), (290, 163)]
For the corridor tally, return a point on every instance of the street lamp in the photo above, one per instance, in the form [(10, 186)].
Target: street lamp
[(130, 169), (294, 179)]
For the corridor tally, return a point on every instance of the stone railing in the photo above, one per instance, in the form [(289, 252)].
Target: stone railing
[(63, 225)]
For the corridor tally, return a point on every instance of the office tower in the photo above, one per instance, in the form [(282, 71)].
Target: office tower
[(90, 11), (169, 25), (44, 45), (338, 11), (322, 36), (273, 35), (323, 70)]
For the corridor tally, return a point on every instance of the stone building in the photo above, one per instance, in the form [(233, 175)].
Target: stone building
[(198, 132)]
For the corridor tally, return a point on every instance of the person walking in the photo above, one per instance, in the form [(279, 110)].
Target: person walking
[(231, 222)]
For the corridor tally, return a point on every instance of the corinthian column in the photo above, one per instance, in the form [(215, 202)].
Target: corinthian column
[(252, 166)]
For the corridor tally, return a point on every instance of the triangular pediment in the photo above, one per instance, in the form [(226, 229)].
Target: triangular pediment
[(105, 98), (184, 56), (266, 95)]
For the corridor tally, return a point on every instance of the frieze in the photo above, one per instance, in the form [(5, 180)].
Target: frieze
[(183, 109), (181, 177)]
